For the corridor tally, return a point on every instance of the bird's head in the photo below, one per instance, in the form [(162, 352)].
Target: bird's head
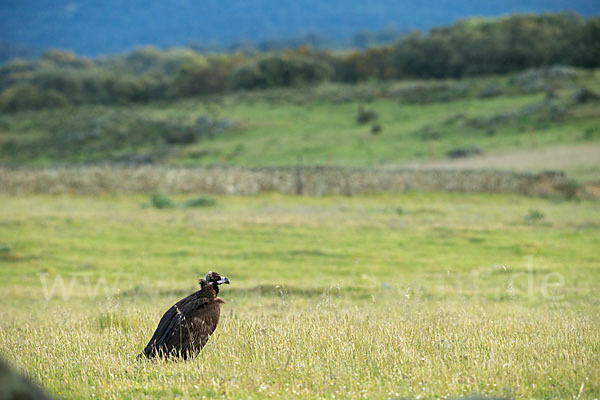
[(214, 279)]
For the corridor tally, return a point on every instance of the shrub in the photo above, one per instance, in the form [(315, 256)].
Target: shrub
[(149, 59), (591, 133), (200, 202), (205, 126), (428, 132), (161, 201), (15, 72), (461, 152), (196, 78), (27, 97), (247, 77), (431, 92), (365, 115), (569, 189), (585, 95), (279, 71), (491, 90), (64, 58), (534, 215)]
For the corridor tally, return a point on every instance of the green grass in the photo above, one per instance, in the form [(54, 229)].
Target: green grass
[(329, 297), (276, 127)]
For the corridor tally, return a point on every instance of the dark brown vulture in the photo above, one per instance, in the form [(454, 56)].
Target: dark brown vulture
[(185, 328)]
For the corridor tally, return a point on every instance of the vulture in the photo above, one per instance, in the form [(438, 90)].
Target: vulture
[(186, 327)]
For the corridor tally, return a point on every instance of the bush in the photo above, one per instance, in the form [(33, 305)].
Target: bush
[(468, 48), (586, 49), (364, 115), (27, 97), (279, 71), (196, 78), (247, 77), (461, 152), (479, 46), (585, 95), (200, 202), (161, 201), (534, 215), (428, 132), (491, 90), (99, 86), (64, 59), (205, 126), (569, 189), (15, 72), (151, 60)]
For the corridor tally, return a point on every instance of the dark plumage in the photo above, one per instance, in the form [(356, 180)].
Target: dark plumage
[(186, 327)]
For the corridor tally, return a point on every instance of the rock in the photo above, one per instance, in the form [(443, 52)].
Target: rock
[(461, 152), (585, 96)]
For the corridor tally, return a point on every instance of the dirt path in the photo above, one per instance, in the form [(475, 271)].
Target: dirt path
[(581, 161)]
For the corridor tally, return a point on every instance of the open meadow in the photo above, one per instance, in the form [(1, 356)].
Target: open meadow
[(412, 295), (523, 121)]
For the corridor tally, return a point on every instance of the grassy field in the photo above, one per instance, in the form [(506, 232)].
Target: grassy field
[(420, 122), (384, 296)]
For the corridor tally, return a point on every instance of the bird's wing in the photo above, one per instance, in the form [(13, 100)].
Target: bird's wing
[(172, 321)]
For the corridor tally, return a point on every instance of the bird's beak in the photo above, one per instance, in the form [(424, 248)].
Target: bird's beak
[(223, 280)]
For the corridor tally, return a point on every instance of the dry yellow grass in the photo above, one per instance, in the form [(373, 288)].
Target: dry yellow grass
[(386, 296), (578, 161)]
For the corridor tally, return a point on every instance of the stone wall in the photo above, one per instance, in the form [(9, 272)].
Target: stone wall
[(313, 181)]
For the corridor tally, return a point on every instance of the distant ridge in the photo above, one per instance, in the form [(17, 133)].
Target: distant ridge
[(100, 27)]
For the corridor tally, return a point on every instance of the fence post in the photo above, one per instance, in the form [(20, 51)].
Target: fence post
[(347, 186), (299, 185)]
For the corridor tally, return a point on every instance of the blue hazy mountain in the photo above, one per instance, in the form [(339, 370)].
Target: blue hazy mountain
[(93, 27)]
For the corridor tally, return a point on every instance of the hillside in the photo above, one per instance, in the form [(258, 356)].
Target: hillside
[(482, 93), (93, 28), (417, 123)]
